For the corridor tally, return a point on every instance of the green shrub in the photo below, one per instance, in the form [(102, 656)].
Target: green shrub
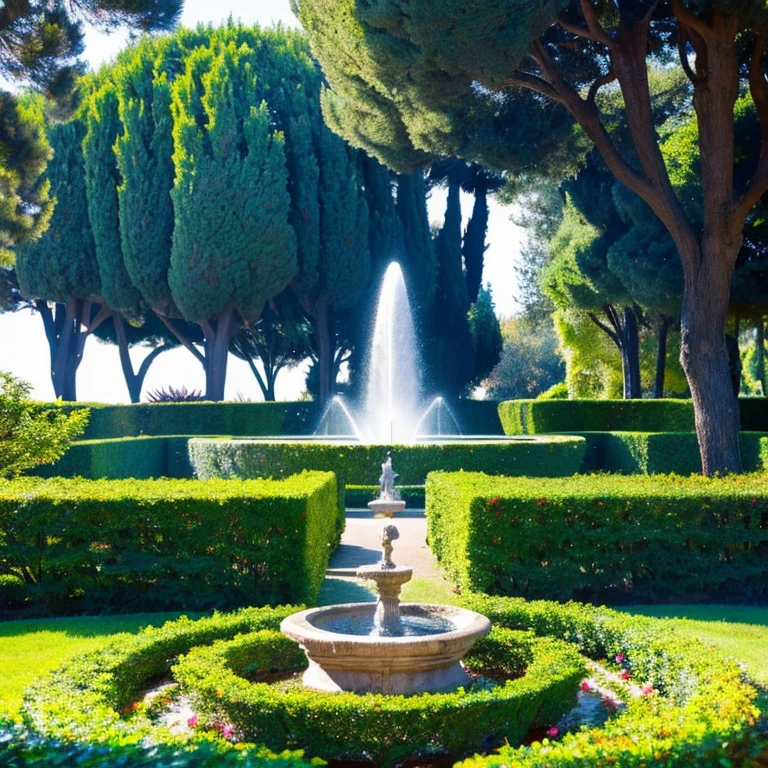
[(662, 452), (13, 591), (168, 544), (357, 464), (530, 417), (603, 538), (555, 392), (206, 418), (21, 746), (387, 729), (701, 713)]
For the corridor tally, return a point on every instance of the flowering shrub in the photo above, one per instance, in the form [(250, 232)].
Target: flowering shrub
[(603, 538)]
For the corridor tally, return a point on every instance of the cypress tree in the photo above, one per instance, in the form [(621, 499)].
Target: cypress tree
[(233, 248)]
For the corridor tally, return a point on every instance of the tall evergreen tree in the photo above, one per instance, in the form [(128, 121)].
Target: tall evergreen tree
[(233, 248), (469, 76)]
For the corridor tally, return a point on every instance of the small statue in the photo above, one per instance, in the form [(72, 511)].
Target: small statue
[(388, 534), (387, 479)]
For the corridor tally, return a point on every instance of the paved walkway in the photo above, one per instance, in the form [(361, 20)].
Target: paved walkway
[(361, 545)]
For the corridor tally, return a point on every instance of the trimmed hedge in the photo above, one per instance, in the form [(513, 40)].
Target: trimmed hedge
[(357, 464), (196, 418), (603, 538), (387, 729), (702, 711), (168, 544), (530, 417), (662, 452)]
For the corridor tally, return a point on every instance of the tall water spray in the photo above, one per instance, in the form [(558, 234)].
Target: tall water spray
[(393, 392)]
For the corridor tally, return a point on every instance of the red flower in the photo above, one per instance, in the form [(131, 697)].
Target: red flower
[(541, 502), (647, 689), (585, 686), (495, 500), (624, 674)]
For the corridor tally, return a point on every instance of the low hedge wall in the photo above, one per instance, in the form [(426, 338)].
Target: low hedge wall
[(385, 729), (651, 453), (196, 418), (530, 417), (701, 711), (357, 464), (603, 538), (168, 544)]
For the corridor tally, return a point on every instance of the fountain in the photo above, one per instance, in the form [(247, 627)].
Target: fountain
[(394, 647), (388, 501)]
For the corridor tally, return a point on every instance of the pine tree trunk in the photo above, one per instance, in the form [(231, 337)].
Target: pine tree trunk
[(325, 350), (630, 356), (761, 355), (661, 358), (217, 355), (704, 358), (131, 382), (66, 360)]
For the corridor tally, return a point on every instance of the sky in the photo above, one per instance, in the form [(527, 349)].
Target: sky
[(25, 351)]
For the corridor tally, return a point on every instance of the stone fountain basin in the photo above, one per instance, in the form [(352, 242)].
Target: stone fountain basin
[(393, 665)]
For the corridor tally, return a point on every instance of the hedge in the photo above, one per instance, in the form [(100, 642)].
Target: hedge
[(701, 711), (530, 417), (662, 452), (603, 538), (358, 464), (144, 545), (385, 729)]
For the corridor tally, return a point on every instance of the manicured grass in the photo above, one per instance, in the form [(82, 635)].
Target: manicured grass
[(31, 648), (739, 631)]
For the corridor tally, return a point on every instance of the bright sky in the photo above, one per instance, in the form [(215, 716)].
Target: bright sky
[(25, 351)]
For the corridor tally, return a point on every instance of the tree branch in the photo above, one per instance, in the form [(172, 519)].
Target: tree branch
[(532, 83), (691, 20), (609, 77), (682, 49), (594, 25), (603, 327), (183, 340), (758, 89)]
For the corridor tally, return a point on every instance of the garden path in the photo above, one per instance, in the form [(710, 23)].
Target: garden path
[(361, 545)]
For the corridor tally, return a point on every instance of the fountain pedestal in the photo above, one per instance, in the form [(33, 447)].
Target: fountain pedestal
[(389, 581), (386, 507)]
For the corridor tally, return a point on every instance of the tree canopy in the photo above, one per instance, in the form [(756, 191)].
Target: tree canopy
[(502, 84)]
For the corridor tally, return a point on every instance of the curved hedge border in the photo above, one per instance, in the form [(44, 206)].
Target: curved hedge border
[(386, 728), (353, 463), (703, 711), (702, 714)]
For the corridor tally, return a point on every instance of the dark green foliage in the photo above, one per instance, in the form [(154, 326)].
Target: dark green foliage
[(240, 419), (149, 545), (357, 464), (25, 202), (386, 729), (618, 539), (529, 417), (144, 458), (13, 591), (175, 395), (487, 342), (661, 452), (702, 712)]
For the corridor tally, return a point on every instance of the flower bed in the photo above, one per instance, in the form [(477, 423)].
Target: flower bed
[(386, 728)]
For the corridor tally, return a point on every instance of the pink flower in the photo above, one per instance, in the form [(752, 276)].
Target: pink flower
[(227, 731), (620, 658), (647, 689), (192, 721), (552, 732), (624, 674), (585, 686)]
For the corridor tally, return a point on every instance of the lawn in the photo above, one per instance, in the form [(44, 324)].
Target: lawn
[(740, 631), (32, 648)]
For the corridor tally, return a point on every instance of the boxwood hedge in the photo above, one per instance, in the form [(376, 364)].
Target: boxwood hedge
[(387, 729), (168, 544), (359, 464), (602, 537), (701, 711), (529, 417)]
